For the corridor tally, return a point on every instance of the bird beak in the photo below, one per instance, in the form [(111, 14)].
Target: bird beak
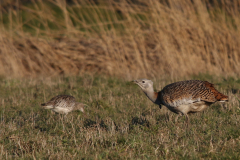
[(134, 81)]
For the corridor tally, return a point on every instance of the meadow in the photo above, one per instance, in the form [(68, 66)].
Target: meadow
[(119, 122)]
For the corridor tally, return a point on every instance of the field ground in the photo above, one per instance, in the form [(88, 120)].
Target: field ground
[(119, 122)]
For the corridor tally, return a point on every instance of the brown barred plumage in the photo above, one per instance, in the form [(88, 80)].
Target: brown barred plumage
[(63, 104), (191, 89)]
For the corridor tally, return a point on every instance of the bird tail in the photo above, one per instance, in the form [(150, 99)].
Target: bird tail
[(222, 98), (219, 96)]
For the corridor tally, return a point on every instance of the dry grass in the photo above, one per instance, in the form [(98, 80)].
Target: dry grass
[(119, 123), (125, 38)]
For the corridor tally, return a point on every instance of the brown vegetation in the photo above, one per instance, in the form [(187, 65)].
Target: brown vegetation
[(151, 38)]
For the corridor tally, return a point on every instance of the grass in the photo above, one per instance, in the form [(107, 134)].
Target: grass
[(119, 122)]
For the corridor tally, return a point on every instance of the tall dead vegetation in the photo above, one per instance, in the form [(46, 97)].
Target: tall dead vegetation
[(121, 38)]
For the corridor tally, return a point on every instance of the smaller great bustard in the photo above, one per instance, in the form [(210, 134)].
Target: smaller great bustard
[(63, 104), (183, 97)]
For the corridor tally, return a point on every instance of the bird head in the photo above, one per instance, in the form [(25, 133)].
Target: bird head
[(145, 84), (80, 107)]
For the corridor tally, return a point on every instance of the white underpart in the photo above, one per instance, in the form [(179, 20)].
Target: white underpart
[(62, 110), (184, 101), (48, 107), (185, 106), (195, 107)]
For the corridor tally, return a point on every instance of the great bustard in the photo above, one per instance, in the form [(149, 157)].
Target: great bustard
[(63, 104), (183, 97)]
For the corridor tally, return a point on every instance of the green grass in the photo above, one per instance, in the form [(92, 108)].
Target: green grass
[(119, 122)]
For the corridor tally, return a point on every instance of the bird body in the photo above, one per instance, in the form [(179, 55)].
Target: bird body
[(183, 97), (63, 104)]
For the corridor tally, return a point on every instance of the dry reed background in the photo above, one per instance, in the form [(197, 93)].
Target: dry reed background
[(122, 38)]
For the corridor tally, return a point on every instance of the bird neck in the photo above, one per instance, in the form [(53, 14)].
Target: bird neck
[(79, 106), (151, 95), (75, 108)]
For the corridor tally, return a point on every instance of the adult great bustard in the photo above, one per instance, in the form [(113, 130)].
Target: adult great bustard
[(183, 97)]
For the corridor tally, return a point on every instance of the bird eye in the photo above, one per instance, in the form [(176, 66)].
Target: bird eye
[(143, 81)]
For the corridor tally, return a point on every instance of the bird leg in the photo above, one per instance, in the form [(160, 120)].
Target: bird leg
[(187, 122), (176, 118)]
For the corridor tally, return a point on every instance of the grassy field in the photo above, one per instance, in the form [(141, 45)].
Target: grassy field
[(119, 122)]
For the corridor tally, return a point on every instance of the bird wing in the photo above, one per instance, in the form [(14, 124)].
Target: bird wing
[(187, 92), (63, 101)]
